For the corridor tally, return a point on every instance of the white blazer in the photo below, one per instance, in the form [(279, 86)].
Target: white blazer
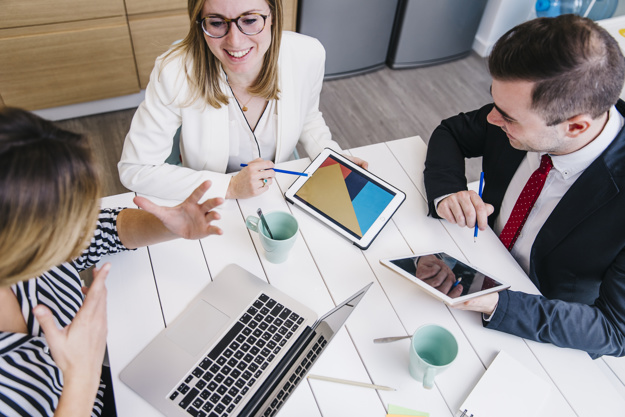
[(204, 144)]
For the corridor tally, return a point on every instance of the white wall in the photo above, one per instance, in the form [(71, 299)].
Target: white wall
[(499, 17)]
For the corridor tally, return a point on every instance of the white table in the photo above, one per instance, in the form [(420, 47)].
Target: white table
[(150, 286)]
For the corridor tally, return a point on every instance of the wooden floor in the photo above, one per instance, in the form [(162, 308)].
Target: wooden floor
[(360, 110)]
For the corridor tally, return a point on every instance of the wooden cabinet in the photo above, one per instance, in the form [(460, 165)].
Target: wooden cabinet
[(289, 10), (54, 65), (64, 52), (153, 34), (74, 51), (148, 6), (18, 13)]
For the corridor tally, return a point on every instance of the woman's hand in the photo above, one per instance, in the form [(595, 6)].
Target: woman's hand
[(252, 180), (78, 349), (190, 219), (360, 162)]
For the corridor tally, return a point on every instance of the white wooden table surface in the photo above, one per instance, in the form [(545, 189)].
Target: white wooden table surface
[(149, 287)]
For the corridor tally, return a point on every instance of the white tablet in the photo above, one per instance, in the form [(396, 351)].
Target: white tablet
[(345, 197), (445, 277)]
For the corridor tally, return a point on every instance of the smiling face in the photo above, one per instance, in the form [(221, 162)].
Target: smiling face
[(241, 55), (526, 129)]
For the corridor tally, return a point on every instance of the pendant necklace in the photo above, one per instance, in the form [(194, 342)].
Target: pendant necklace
[(243, 107)]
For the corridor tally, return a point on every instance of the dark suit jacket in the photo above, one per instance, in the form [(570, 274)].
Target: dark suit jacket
[(578, 258)]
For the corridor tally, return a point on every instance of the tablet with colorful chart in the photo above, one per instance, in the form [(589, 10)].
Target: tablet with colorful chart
[(345, 197)]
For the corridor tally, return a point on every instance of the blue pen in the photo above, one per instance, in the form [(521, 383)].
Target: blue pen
[(455, 284), (284, 171), (480, 193)]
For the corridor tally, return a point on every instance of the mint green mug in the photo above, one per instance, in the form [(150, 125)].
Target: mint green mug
[(432, 350), (283, 227)]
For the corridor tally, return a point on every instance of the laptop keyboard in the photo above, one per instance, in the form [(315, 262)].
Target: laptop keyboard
[(299, 373), (220, 380)]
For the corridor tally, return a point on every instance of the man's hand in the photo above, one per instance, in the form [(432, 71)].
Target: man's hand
[(484, 304), (464, 208), (190, 219), (435, 272)]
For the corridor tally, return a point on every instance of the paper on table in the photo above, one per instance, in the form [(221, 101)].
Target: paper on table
[(395, 410), (507, 388)]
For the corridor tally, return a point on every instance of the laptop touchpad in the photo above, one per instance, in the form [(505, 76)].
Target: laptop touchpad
[(196, 327)]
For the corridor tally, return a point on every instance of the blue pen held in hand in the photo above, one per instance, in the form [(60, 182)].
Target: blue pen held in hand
[(480, 193), (284, 171)]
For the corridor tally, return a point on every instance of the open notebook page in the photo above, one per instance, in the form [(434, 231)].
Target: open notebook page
[(507, 388)]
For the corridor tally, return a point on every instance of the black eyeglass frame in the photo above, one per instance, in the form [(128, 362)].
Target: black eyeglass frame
[(235, 20)]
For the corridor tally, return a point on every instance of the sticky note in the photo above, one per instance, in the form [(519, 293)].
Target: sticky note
[(407, 415), (395, 410)]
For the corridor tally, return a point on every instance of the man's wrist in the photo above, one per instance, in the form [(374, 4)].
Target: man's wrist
[(437, 201), (487, 316)]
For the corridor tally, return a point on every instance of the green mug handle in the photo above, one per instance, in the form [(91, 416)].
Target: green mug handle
[(251, 222), (428, 378)]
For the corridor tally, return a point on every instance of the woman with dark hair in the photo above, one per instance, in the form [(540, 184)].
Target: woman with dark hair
[(52, 341), (241, 91)]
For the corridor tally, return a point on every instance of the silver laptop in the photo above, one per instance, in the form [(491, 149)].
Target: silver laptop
[(238, 349)]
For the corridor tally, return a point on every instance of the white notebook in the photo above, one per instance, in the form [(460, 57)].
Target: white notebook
[(507, 388)]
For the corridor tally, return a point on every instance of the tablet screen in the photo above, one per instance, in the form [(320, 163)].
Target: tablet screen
[(345, 197), (426, 267)]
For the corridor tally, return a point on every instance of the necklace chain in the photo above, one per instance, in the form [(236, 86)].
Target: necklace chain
[(243, 107)]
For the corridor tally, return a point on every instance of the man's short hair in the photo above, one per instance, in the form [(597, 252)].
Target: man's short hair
[(576, 65)]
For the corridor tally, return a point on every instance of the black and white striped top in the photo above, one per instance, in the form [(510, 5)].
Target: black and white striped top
[(30, 381)]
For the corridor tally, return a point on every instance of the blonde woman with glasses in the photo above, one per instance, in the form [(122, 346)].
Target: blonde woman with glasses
[(51, 227), (241, 91)]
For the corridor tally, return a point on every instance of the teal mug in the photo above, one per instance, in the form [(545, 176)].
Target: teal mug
[(283, 227), (432, 350)]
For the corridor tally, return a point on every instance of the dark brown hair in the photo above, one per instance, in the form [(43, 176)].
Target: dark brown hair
[(577, 67), (49, 195)]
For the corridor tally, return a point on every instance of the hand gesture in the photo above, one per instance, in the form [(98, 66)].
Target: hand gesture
[(252, 180), (190, 219), (464, 208), (78, 349)]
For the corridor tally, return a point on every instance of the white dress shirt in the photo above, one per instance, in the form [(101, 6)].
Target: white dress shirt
[(566, 170), (245, 143)]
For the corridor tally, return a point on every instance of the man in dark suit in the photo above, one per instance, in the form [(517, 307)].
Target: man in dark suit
[(556, 86)]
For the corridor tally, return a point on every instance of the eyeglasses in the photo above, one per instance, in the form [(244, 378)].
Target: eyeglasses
[(218, 26)]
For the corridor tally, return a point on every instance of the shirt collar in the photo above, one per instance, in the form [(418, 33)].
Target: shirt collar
[(573, 163)]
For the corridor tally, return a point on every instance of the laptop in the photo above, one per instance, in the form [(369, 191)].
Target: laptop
[(238, 349)]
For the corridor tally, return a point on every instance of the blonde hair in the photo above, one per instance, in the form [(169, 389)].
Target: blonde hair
[(203, 70), (49, 196)]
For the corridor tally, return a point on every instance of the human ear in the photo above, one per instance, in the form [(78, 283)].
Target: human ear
[(578, 125)]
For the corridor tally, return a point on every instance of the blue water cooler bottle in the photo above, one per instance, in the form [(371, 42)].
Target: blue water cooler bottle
[(596, 10), (547, 8)]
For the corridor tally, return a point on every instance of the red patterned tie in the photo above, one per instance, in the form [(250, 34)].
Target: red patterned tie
[(524, 204)]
